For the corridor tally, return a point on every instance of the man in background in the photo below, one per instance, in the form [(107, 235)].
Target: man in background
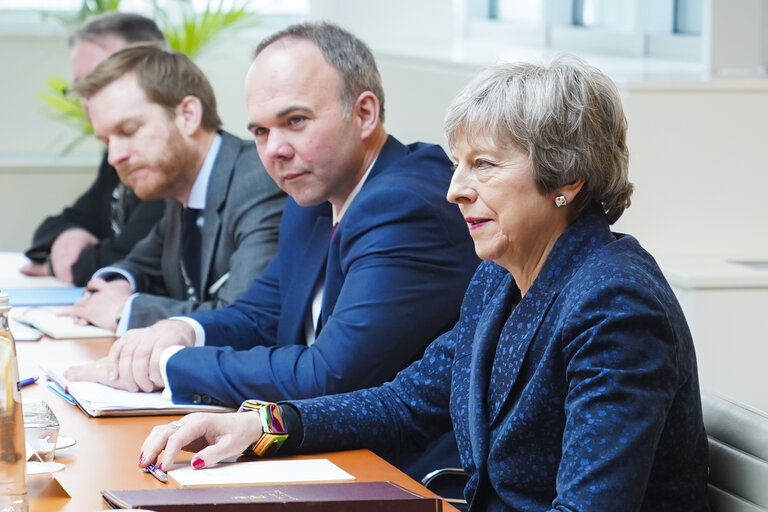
[(105, 222), (156, 112)]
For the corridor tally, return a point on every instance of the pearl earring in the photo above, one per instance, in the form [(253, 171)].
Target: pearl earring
[(560, 200)]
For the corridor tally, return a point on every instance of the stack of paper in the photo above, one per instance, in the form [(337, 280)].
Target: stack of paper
[(96, 399)]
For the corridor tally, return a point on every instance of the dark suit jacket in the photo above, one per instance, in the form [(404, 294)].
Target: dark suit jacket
[(93, 212), (584, 397), (239, 237), (395, 272)]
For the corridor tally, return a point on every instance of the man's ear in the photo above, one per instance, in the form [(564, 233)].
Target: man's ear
[(189, 115), (366, 113)]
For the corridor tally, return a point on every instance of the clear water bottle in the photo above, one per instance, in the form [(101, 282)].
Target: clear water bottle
[(13, 464)]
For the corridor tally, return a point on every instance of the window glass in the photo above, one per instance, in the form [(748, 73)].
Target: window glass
[(604, 14), (48, 5), (688, 17), (260, 6), (520, 11)]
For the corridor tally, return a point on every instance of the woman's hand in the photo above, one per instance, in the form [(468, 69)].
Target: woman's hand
[(214, 436)]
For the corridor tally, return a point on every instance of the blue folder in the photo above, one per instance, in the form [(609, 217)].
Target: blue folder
[(44, 296)]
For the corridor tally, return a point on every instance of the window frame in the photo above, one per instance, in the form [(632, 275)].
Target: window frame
[(652, 36)]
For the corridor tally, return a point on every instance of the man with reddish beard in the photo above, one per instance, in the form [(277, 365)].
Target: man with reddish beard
[(156, 112)]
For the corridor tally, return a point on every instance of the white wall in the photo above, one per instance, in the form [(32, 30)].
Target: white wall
[(697, 160)]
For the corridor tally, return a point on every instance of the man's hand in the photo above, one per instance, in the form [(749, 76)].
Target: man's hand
[(98, 371), (35, 269), (102, 302), (216, 436), (66, 250), (136, 356)]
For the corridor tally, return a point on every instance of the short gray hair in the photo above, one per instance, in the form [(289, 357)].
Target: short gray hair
[(346, 53), (567, 116), (132, 28)]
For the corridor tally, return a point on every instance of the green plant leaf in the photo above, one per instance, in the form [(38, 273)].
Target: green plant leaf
[(93, 7), (65, 109), (197, 30)]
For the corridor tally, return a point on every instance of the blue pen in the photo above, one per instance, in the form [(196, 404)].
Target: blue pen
[(60, 391), (156, 472), (27, 382)]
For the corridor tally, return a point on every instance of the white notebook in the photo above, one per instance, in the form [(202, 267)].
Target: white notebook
[(99, 400), (49, 322), (24, 332)]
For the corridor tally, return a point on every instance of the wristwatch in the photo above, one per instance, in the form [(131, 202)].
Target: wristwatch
[(273, 433)]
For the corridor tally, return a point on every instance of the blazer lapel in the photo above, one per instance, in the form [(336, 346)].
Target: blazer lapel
[(392, 151), (301, 290), (576, 244), (514, 341), (483, 349), (215, 200)]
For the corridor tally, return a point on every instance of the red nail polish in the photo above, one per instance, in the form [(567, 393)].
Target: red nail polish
[(141, 458), (160, 466), (198, 463)]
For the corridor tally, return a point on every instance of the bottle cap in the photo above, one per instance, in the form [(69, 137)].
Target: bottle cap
[(5, 303)]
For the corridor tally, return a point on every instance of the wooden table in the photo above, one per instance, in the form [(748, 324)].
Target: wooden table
[(107, 449)]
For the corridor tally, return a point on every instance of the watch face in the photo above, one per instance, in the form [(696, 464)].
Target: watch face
[(273, 433)]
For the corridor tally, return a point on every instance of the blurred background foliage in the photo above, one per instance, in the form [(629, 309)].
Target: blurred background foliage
[(187, 29)]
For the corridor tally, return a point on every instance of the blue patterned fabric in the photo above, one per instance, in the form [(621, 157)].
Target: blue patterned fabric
[(581, 396)]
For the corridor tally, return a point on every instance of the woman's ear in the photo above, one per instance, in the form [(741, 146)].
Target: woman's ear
[(189, 115), (570, 191)]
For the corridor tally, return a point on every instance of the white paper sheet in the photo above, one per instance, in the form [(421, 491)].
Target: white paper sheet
[(261, 472), (11, 276)]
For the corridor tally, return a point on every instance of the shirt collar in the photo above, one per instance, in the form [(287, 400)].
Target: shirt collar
[(338, 215), (199, 192)]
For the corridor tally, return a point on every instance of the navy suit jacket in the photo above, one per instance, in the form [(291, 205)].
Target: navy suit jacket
[(395, 272), (581, 396)]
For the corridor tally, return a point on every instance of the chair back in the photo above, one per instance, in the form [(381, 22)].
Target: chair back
[(738, 455)]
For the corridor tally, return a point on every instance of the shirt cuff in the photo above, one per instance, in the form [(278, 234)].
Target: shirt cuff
[(109, 273), (164, 357), (199, 330), (125, 316)]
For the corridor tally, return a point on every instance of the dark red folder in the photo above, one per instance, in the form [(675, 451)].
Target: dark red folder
[(339, 497)]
